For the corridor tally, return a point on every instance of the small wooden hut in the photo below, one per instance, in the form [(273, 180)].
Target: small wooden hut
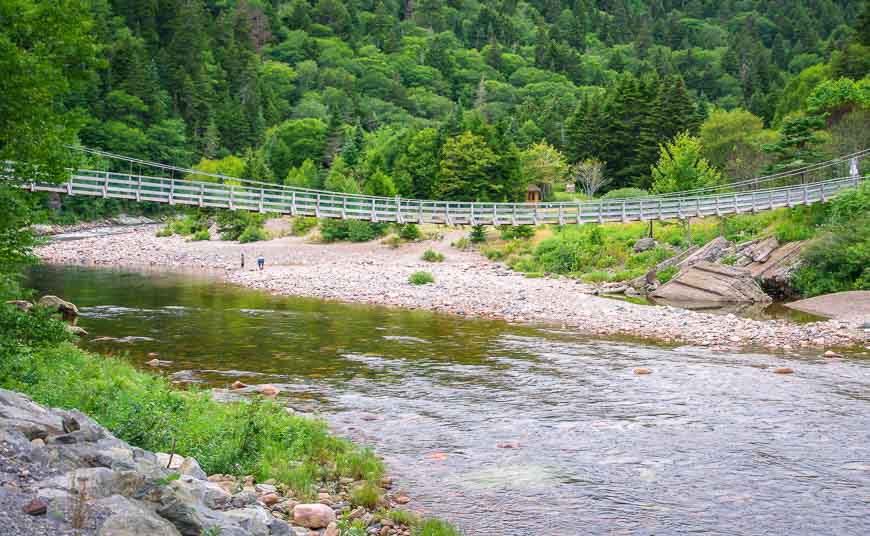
[(533, 194)]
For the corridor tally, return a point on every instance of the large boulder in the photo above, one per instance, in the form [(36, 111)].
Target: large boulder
[(644, 244), (68, 310), (706, 282), (313, 516)]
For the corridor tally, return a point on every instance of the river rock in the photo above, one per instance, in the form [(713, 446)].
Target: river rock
[(23, 305), (331, 530), (783, 370), (76, 330), (642, 370), (238, 385), (68, 310), (268, 390), (191, 468), (644, 244), (130, 518), (313, 516), (35, 508)]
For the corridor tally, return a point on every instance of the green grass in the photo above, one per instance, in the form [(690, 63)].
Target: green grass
[(604, 253), (402, 517), (368, 495), (667, 274), (421, 278), (258, 438), (436, 527), (430, 255)]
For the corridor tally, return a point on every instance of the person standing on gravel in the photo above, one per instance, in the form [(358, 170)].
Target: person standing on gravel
[(243, 260), (261, 261)]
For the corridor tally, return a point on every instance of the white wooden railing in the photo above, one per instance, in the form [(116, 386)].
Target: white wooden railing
[(324, 204)]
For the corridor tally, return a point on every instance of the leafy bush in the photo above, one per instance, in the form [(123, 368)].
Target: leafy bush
[(187, 225), (666, 274), (839, 259), (351, 230), (253, 233), (421, 278), (511, 232), (477, 234), (201, 235), (409, 232), (625, 193), (233, 223), (301, 225), (430, 255)]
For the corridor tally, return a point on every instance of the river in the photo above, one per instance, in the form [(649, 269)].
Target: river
[(711, 443)]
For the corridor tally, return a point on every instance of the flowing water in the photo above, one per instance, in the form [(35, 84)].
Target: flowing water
[(709, 443)]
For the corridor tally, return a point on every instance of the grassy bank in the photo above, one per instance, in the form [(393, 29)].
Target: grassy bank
[(836, 259), (258, 438)]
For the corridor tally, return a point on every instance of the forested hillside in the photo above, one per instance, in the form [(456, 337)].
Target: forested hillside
[(462, 99)]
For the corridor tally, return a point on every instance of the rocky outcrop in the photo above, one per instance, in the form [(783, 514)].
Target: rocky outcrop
[(706, 282), (850, 305), (774, 270), (79, 475)]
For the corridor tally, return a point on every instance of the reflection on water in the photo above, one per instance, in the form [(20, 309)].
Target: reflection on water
[(756, 311), (514, 430)]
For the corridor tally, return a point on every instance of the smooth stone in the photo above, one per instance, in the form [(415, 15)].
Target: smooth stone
[(313, 516), (783, 370), (642, 370)]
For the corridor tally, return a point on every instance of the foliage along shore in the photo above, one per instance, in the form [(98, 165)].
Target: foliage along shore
[(256, 438)]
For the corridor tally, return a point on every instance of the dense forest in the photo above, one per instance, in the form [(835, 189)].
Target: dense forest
[(457, 99)]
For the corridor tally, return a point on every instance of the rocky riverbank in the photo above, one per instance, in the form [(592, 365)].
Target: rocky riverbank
[(465, 284), (62, 473)]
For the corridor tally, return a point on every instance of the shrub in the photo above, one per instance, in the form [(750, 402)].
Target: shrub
[(201, 235), (233, 223), (511, 232), (165, 231), (494, 254), (421, 278), (253, 233), (477, 234), (666, 274), (301, 225), (837, 261), (625, 193), (392, 241), (430, 255), (352, 230), (409, 232)]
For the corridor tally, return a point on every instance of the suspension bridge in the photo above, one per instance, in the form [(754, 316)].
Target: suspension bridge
[(172, 185)]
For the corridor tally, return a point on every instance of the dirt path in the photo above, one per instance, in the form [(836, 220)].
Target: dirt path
[(465, 284)]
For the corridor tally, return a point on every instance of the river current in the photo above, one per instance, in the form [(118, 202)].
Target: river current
[(517, 430)]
